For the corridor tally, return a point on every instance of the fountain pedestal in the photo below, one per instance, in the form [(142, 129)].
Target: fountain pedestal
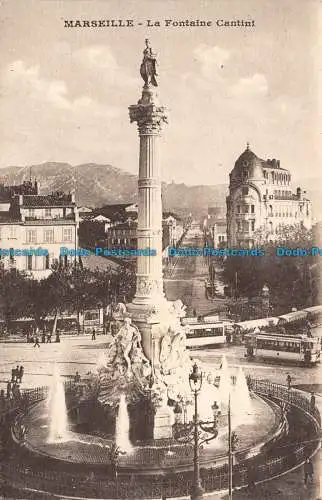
[(163, 422)]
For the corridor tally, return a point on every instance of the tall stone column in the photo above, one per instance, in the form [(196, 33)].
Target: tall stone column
[(149, 116), (149, 305)]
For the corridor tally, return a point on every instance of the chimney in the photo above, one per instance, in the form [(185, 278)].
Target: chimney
[(299, 193)]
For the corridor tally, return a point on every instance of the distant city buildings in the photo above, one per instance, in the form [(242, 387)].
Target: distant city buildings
[(261, 202), (216, 225), (115, 226), (29, 220)]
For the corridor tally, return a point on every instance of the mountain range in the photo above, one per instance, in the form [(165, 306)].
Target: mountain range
[(97, 185)]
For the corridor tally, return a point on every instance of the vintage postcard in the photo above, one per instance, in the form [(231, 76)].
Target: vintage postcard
[(160, 249)]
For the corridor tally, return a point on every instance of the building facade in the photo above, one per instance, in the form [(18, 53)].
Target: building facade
[(261, 203), (34, 221)]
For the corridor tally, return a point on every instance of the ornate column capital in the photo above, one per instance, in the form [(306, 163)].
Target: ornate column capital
[(149, 118)]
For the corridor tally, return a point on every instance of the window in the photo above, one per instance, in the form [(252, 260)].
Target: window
[(246, 208), (252, 209), (31, 236), (253, 225), (29, 262), (67, 234), (47, 212), (238, 209), (245, 191), (31, 212), (12, 232), (48, 236)]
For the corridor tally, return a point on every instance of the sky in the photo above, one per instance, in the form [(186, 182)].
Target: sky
[(65, 92)]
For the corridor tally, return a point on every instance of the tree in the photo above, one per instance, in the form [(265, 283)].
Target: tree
[(13, 294), (291, 279)]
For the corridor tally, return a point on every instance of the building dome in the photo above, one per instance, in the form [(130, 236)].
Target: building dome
[(248, 166)]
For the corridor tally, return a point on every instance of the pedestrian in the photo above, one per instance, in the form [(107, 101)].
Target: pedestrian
[(21, 372), (308, 470), (13, 374), (312, 401), (17, 393), (289, 381), (77, 377), (43, 338), (17, 373), (251, 475), (37, 341), (49, 338), (2, 398), (9, 388), (93, 334)]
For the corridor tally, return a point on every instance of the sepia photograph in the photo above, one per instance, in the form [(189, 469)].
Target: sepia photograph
[(160, 249)]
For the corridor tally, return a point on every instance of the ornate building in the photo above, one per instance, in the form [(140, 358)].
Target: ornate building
[(261, 201)]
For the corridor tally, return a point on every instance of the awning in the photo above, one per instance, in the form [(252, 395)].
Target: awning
[(292, 317), (314, 310), (257, 323)]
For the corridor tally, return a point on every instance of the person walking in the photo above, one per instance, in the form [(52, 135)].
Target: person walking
[(308, 470), (21, 372), (13, 374), (93, 334), (17, 371), (37, 342), (9, 389), (289, 381)]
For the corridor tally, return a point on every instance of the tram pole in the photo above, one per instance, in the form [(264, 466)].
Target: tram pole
[(230, 461)]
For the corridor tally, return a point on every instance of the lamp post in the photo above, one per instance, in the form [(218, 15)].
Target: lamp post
[(195, 382), (190, 431), (232, 445)]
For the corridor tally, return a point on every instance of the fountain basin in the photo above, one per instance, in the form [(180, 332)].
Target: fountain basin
[(162, 455)]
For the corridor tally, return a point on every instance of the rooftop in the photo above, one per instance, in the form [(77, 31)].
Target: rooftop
[(57, 199)]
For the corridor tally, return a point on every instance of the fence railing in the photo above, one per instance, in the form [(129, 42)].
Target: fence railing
[(127, 486), (291, 396)]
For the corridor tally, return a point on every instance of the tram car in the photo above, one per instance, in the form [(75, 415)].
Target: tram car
[(207, 331), (293, 348)]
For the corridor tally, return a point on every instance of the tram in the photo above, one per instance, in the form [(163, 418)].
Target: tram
[(210, 332), (314, 315), (295, 348)]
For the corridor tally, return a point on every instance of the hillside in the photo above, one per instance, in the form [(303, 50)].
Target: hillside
[(98, 185)]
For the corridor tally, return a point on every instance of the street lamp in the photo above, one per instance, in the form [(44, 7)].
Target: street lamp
[(183, 431), (195, 382), (232, 445)]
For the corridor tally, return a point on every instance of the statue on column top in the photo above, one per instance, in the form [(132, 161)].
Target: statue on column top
[(148, 66)]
